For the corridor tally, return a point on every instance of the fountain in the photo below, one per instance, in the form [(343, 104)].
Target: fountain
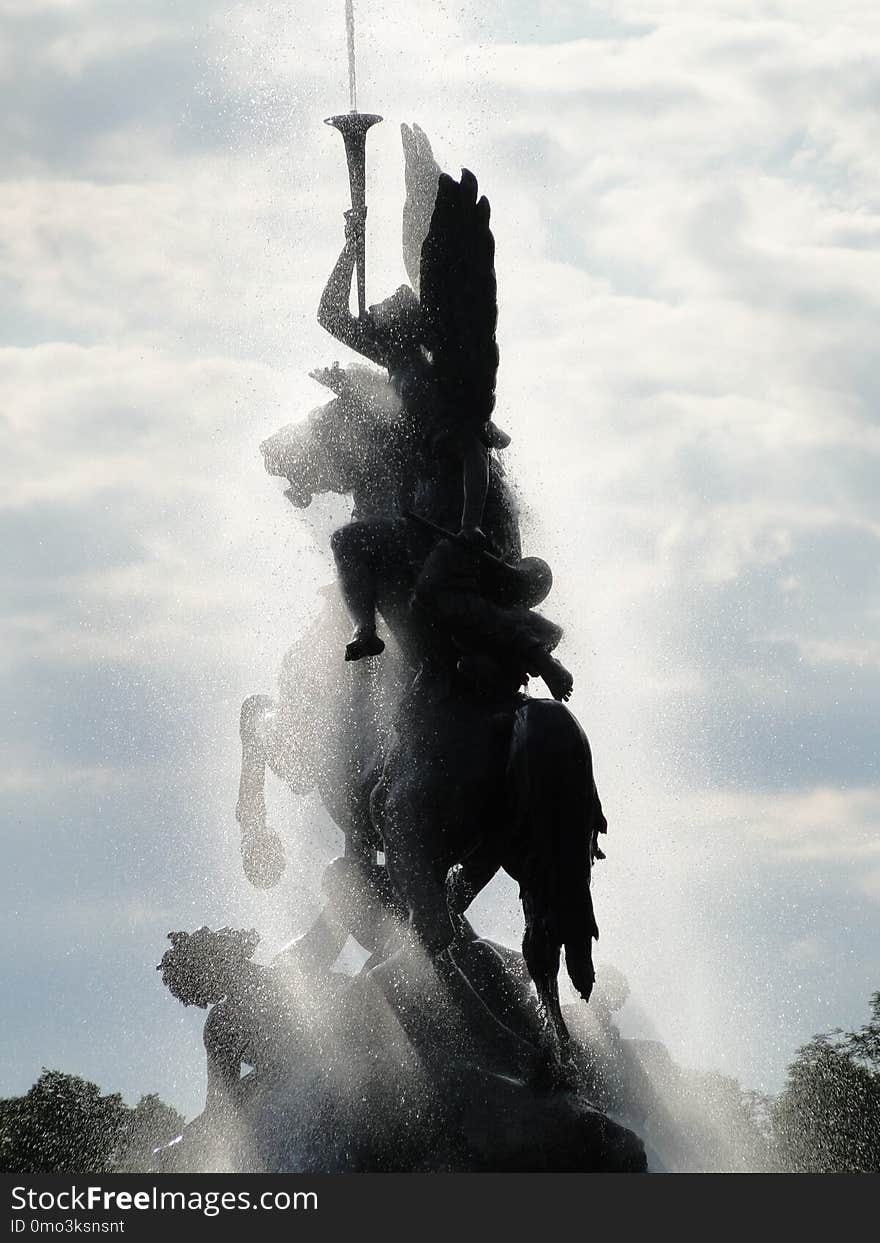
[(445, 1051)]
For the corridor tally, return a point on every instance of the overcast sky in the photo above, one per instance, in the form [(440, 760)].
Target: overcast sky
[(686, 202)]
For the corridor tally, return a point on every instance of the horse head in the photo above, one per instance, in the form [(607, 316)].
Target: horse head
[(337, 447), (306, 455)]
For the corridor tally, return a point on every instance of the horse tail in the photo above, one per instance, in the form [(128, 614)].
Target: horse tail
[(555, 814)]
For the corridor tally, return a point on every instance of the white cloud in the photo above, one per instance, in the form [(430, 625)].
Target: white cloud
[(838, 827), (686, 200)]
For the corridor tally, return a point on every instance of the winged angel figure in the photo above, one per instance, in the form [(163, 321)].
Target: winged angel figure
[(459, 773), (475, 776), (436, 339)]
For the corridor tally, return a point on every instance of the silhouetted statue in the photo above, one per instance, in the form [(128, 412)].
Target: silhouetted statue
[(436, 766), (441, 357), (464, 614), (257, 1016), (250, 1012)]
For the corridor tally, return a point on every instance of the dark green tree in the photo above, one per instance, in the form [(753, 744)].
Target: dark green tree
[(827, 1118), (63, 1125), (144, 1128)]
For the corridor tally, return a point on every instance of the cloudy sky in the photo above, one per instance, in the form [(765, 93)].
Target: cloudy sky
[(686, 201)]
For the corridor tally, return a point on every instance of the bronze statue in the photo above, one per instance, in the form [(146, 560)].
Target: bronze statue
[(247, 1007), (439, 350), (434, 762)]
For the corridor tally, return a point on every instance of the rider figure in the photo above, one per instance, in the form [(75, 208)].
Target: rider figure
[(388, 335), (448, 479)]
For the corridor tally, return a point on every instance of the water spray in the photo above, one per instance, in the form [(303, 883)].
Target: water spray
[(353, 127)]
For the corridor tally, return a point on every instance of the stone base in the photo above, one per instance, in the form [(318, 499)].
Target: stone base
[(477, 1122)]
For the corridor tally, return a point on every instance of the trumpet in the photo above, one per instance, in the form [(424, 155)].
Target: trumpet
[(353, 127)]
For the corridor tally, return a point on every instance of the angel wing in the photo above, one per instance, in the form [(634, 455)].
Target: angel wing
[(459, 303), (421, 172)]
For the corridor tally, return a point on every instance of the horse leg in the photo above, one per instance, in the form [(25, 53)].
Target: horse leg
[(262, 853), (466, 880), (423, 890), (470, 877), (250, 811), (404, 813)]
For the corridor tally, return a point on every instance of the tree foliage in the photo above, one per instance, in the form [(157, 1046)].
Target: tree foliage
[(827, 1118), (63, 1125), (145, 1127)]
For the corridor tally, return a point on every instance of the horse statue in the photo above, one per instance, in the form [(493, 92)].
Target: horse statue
[(440, 761)]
